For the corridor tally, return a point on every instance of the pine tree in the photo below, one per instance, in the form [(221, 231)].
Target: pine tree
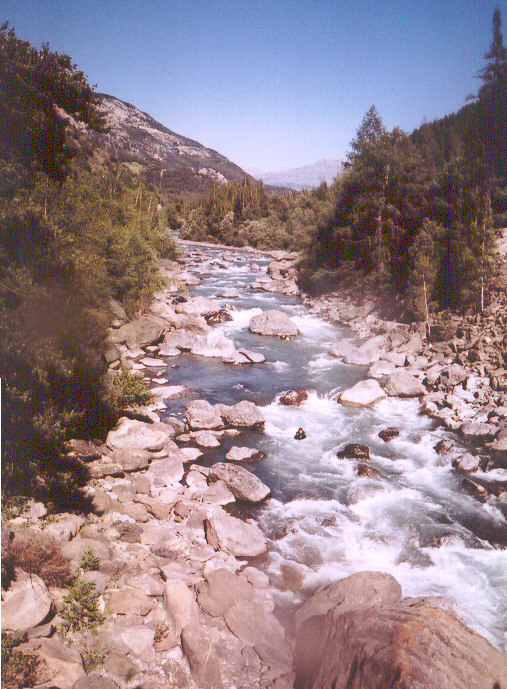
[(493, 101)]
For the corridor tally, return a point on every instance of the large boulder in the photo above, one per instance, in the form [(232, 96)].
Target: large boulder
[(256, 627), (60, 665), (362, 394), (242, 483), (198, 306), (203, 662), (221, 590), (274, 323), (241, 539), (244, 414), (140, 332), (293, 398), (360, 634), (26, 604), (135, 435), (201, 415), (404, 384), (178, 339), (180, 605)]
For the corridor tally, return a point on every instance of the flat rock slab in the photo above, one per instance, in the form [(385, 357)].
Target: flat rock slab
[(253, 357), (403, 384), (353, 632), (241, 539), (243, 454), (135, 435), (26, 604), (201, 657), (363, 394), (167, 472), (478, 431), (61, 665), (130, 601), (180, 605), (274, 323), (241, 482), (221, 590)]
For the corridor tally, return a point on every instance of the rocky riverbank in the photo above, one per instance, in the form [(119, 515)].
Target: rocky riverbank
[(174, 566)]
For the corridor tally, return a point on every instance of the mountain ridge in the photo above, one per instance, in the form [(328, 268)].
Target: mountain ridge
[(172, 162), (303, 177)]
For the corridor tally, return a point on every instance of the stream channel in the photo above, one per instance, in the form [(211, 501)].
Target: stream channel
[(414, 520)]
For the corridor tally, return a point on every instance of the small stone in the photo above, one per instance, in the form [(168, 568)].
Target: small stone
[(444, 446), (389, 434), (354, 451)]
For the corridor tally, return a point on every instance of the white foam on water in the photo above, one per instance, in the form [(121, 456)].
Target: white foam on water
[(279, 365), (240, 319)]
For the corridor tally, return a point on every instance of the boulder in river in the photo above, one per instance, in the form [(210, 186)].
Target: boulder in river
[(359, 634), (404, 384), (293, 398), (242, 483), (389, 434), (362, 394), (444, 446), (241, 539), (141, 332), (244, 414), (199, 306), (201, 415), (243, 454), (274, 323), (354, 451)]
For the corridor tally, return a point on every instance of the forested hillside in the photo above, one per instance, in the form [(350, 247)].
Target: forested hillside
[(73, 236), (246, 215), (419, 211)]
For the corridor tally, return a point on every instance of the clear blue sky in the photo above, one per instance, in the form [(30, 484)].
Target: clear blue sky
[(271, 83)]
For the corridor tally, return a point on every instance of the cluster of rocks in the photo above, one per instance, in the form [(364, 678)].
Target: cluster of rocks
[(282, 274), (185, 606)]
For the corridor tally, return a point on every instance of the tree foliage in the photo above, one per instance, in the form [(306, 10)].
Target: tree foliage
[(70, 240), (419, 211), (245, 214)]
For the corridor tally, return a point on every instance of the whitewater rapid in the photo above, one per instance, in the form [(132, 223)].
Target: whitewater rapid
[(413, 519)]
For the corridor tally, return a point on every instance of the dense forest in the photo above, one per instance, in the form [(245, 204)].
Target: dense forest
[(73, 237), (247, 215)]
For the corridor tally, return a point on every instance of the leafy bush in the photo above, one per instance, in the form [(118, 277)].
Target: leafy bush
[(89, 561), (18, 669), (80, 607), (128, 389)]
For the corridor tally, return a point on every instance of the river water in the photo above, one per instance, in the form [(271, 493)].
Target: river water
[(414, 520)]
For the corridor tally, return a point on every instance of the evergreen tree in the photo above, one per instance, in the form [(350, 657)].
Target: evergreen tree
[(493, 101)]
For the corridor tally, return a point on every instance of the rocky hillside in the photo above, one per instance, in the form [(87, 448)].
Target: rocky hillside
[(173, 163)]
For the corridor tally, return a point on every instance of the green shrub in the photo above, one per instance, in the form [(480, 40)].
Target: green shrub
[(89, 561), (80, 607), (127, 390), (18, 669)]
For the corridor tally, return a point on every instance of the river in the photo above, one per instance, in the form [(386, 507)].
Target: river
[(413, 520)]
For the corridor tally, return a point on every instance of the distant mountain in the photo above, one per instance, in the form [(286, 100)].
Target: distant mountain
[(170, 161), (304, 177)]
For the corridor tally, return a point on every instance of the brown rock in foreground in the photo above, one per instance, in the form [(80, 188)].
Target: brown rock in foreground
[(358, 633)]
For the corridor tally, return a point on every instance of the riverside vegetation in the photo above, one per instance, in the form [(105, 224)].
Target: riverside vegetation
[(81, 241)]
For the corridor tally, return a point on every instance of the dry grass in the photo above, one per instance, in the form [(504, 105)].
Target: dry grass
[(39, 554)]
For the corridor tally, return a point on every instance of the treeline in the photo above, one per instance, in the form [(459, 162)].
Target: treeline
[(419, 211), (246, 215), (70, 241)]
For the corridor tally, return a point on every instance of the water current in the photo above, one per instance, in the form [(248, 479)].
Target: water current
[(413, 520)]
